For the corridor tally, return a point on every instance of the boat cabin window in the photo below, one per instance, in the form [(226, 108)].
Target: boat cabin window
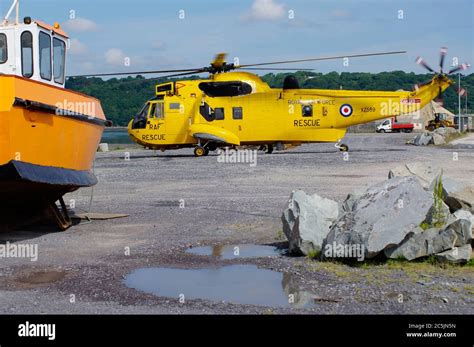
[(45, 56), (27, 54), (59, 59), (3, 49)]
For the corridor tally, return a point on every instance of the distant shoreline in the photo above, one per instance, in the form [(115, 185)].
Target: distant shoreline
[(115, 128)]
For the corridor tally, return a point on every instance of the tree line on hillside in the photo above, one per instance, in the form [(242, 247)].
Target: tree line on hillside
[(123, 98)]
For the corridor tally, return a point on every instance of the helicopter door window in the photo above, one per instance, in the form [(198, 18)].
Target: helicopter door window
[(45, 56), (307, 110), (3, 49), (175, 106), (237, 113), (219, 112), (26, 54), (207, 112)]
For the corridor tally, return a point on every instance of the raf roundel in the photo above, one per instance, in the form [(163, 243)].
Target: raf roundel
[(346, 110)]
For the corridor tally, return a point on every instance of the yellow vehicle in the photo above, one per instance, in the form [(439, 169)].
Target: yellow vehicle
[(440, 121), (238, 108)]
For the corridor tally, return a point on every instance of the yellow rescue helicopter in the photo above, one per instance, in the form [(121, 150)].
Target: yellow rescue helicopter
[(231, 109)]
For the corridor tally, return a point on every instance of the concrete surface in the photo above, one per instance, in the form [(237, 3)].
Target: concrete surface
[(225, 204)]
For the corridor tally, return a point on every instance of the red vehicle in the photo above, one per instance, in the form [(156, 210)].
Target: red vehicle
[(391, 125)]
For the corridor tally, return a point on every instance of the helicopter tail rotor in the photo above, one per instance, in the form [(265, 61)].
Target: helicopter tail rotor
[(443, 52)]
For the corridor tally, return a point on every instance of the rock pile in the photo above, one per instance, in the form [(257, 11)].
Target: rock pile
[(437, 137), (415, 213)]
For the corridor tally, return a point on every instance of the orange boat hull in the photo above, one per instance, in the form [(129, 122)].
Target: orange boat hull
[(48, 140)]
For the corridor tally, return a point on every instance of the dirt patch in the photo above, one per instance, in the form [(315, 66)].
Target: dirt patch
[(38, 279)]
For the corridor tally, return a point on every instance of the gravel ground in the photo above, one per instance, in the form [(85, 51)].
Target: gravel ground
[(225, 204)]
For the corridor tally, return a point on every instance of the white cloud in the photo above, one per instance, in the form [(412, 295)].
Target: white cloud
[(76, 47), (81, 25), (266, 10), (115, 56)]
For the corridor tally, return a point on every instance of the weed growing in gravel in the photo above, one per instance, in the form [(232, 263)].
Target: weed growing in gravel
[(438, 216), (313, 254), (280, 235)]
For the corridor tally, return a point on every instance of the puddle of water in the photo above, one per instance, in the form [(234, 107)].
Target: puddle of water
[(236, 251), (239, 284)]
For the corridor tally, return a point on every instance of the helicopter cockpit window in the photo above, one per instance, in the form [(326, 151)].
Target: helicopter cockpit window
[(139, 122), (152, 111), (3, 49), (307, 110)]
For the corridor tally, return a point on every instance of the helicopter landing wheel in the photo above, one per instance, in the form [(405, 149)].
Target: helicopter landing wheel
[(200, 151), (343, 148)]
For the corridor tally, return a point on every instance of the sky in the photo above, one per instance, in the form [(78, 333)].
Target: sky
[(121, 36)]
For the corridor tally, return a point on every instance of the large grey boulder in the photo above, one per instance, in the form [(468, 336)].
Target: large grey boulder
[(383, 216), (445, 131), (425, 172), (457, 255), (462, 228), (348, 204), (438, 139), (462, 214), (421, 243), (457, 195), (423, 139), (307, 221)]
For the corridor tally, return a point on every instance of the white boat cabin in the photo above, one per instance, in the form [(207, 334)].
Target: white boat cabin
[(33, 50)]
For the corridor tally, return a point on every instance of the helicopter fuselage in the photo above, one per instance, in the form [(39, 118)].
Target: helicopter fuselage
[(238, 108)]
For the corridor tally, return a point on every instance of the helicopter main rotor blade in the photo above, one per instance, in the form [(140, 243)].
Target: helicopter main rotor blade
[(135, 73), (321, 58), (275, 68), (181, 74), (443, 53), (464, 66), (423, 63)]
